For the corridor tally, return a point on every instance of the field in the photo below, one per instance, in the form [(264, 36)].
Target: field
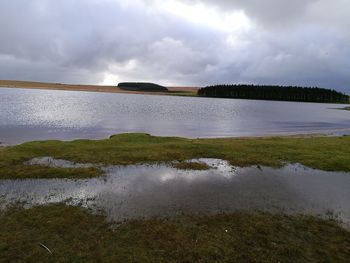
[(179, 91)]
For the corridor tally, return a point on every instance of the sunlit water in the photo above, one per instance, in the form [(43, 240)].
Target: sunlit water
[(139, 191), (44, 114)]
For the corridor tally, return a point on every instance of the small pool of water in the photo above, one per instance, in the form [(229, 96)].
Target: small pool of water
[(138, 191)]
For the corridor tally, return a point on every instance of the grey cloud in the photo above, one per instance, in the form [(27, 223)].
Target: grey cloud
[(275, 12), (82, 41)]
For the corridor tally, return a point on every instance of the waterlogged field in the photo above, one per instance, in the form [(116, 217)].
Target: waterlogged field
[(147, 191), (171, 213), (324, 153)]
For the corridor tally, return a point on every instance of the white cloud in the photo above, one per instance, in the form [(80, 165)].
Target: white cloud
[(201, 14)]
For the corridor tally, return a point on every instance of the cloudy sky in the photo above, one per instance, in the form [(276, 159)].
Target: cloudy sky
[(177, 42)]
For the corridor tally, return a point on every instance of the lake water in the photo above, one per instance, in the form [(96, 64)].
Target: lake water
[(45, 114), (138, 191)]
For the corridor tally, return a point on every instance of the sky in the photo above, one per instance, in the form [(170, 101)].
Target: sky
[(177, 42)]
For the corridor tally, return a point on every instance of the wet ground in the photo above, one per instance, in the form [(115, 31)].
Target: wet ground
[(138, 191)]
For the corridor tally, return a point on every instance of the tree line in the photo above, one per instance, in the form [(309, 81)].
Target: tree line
[(274, 92)]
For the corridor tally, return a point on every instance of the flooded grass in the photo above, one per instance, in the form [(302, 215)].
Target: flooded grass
[(61, 233), (75, 235), (325, 153), (192, 166), (159, 190), (21, 171)]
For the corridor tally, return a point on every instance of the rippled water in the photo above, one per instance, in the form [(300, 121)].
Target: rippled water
[(43, 114), (139, 191)]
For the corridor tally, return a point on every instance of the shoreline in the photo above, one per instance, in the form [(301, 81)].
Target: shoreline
[(296, 134), (318, 152), (180, 91), (173, 91)]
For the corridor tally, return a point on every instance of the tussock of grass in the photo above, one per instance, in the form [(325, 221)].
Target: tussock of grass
[(74, 235), (326, 153), (21, 171), (192, 166)]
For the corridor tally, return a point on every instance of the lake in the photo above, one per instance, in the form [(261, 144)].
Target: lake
[(44, 114)]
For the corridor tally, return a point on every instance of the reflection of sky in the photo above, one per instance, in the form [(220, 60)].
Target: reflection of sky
[(47, 108), (157, 190), (73, 113)]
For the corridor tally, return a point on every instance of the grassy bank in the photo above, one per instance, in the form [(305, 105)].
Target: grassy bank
[(74, 235), (176, 91), (326, 153)]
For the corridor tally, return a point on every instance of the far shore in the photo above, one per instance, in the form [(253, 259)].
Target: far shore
[(179, 91)]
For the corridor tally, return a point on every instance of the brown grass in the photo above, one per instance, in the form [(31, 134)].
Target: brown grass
[(90, 88)]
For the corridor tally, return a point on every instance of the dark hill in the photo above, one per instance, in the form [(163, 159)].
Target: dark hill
[(142, 86)]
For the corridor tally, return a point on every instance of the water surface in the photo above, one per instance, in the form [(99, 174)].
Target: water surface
[(139, 191), (45, 114)]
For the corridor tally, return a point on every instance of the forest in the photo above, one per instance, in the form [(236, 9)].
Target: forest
[(274, 92)]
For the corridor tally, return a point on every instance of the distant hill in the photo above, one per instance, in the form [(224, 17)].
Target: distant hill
[(142, 86), (267, 92)]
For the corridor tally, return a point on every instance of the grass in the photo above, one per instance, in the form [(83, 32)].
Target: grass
[(75, 235), (183, 93), (192, 166), (325, 153), (21, 171)]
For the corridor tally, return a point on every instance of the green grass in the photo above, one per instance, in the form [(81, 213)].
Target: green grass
[(75, 235), (191, 166), (326, 153), (18, 171)]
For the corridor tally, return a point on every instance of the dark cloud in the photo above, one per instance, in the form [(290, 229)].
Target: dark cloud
[(90, 41)]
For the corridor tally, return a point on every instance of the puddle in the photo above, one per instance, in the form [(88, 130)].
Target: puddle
[(58, 163), (139, 191)]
